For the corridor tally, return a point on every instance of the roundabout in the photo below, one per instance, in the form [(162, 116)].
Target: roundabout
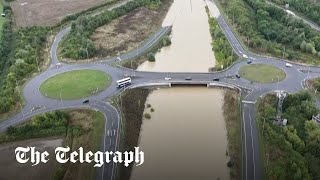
[(63, 87), (262, 73), (75, 84)]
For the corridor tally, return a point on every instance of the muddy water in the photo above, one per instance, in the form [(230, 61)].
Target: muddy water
[(190, 50), (186, 138)]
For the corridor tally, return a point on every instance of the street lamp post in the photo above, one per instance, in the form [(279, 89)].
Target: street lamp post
[(278, 83), (264, 121), (21, 110)]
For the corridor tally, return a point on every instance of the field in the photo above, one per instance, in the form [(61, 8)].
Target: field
[(262, 73), (13, 170), (127, 32), (48, 12), (75, 84), (85, 129)]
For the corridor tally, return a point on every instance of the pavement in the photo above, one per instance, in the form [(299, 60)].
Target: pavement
[(36, 103)]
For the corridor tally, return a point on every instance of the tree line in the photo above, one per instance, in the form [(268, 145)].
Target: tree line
[(48, 124), (220, 45), (20, 54), (292, 151), (78, 45), (23, 58), (308, 8), (268, 29)]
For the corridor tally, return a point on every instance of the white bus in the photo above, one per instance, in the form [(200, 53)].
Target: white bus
[(123, 82)]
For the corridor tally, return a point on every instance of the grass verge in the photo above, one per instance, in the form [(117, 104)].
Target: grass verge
[(133, 105), (233, 124)]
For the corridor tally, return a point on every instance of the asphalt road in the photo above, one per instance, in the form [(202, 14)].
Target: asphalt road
[(36, 103)]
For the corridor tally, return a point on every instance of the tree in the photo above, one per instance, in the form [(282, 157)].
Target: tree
[(151, 57), (303, 46)]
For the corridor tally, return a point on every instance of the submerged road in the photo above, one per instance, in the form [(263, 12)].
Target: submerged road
[(36, 103)]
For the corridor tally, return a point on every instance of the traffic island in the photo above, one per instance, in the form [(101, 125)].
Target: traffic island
[(75, 84), (262, 73)]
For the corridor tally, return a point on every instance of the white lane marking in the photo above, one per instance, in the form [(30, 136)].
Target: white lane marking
[(108, 133), (104, 141), (116, 138), (245, 140), (249, 102), (254, 163), (114, 132)]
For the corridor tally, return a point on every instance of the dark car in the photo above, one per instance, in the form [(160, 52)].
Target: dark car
[(188, 78), (216, 79), (85, 101), (237, 75), (249, 61)]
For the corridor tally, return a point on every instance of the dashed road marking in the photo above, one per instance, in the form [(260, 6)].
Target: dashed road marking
[(250, 102)]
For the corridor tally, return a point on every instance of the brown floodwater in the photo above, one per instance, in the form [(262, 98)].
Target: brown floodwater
[(186, 137), (190, 50)]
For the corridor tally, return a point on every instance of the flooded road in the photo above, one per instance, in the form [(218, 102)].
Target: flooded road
[(186, 137), (190, 50)]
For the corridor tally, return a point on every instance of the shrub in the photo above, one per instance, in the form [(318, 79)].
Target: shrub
[(147, 116), (151, 57)]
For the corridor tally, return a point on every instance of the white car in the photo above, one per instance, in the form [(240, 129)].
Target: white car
[(244, 56), (119, 59), (167, 78), (288, 65)]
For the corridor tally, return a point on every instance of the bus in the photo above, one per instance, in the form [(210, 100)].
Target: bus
[(123, 82)]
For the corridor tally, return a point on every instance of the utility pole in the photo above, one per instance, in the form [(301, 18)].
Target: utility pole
[(61, 99), (264, 121), (278, 83), (38, 64), (21, 110)]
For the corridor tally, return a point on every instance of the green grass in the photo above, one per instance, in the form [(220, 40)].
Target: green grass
[(262, 73), (75, 84)]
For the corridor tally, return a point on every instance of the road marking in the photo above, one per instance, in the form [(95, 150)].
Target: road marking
[(108, 133), (249, 102), (254, 163), (245, 141), (104, 141), (110, 142)]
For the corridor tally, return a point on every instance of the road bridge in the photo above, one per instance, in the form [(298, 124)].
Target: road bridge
[(250, 92)]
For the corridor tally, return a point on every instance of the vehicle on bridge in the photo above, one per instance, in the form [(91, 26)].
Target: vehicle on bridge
[(123, 82), (216, 79), (188, 78)]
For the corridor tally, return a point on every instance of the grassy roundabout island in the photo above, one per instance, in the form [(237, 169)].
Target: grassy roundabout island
[(75, 84), (262, 73)]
